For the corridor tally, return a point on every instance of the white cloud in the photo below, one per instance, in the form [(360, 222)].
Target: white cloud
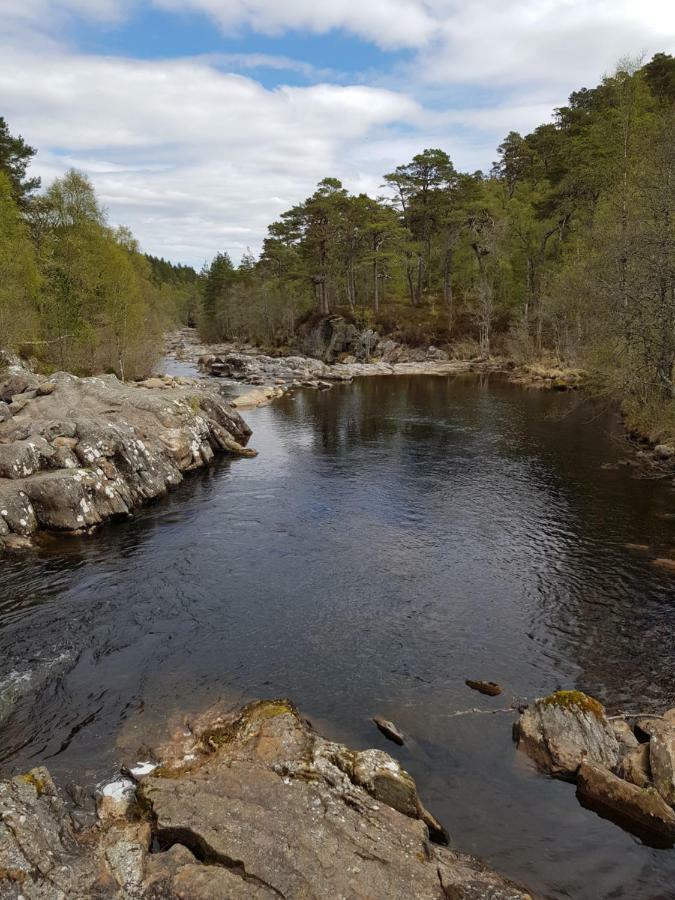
[(48, 13), (196, 159), (191, 158), (388, 23), (561, 42), (510, 41)]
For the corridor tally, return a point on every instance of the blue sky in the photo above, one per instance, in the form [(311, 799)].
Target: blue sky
[(155, 34), (200, 121)]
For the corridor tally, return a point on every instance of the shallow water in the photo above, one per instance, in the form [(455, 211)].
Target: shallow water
[(394, 537)]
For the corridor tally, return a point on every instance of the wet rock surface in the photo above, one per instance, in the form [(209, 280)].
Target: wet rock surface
[(389, 730), (623, 767), (251, 804), (75, 452)]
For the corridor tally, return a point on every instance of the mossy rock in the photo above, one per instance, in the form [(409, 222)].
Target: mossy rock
[(569, 699)]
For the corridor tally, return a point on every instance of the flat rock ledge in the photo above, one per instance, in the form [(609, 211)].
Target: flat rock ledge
[(623, 766), (75, 452), (254, 804)]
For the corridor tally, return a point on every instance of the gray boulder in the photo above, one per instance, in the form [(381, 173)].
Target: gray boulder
[(333, 831), (565, 729), (635, 766)]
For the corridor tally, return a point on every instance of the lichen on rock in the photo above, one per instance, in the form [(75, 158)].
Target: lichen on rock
[(80, 451)]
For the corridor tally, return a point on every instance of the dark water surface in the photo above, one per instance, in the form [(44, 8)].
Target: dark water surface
[(393, 537)]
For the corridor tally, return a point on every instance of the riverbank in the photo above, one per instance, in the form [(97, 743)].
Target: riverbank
[(274, 375), (623, 766), (76, 452), (253, 803)]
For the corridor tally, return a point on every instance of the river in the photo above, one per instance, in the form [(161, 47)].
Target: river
[(394, 537)]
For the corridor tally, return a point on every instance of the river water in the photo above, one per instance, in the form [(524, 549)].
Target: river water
[(393, 538)]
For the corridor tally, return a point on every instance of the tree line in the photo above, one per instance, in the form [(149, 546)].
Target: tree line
[(566, 247), (76, 293)]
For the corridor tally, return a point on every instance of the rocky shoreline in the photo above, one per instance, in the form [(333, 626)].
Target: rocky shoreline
[(272, 376), (251, 804), (255, 803), (76, 452), (623, 766)]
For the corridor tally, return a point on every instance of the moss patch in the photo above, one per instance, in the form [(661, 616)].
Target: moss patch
[(38, 783), (260, 711), (570, 699)]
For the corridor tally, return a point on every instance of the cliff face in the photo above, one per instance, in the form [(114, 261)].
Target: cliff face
[(75, 452), (251, 804)]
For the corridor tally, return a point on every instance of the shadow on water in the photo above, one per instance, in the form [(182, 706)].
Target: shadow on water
[(393, 537)]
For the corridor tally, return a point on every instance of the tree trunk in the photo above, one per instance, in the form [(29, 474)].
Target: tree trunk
[(376, 286)]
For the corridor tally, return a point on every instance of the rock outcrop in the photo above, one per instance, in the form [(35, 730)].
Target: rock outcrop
[(334, 339), (252, 367), (75, 452), (565, 729), (253, 805), (624, 769)]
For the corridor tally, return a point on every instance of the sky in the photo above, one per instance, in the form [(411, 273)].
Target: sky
[(200, 121)]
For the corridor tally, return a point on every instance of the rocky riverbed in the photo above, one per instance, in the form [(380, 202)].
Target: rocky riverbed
[(75, 452), (249, 804)]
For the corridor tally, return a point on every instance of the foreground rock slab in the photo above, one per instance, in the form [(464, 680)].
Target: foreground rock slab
[(298, 816), (75, 452), (254, 804)]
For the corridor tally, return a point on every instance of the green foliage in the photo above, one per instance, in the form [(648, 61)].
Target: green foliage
[(19, 278), (15, 156)]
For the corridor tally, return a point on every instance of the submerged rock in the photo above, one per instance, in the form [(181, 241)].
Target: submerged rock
[(84, 450), (389, 730), (565, 729), (253, 805), (489, 688)]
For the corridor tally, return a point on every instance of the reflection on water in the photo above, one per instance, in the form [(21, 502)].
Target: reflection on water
[(393, 537)]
